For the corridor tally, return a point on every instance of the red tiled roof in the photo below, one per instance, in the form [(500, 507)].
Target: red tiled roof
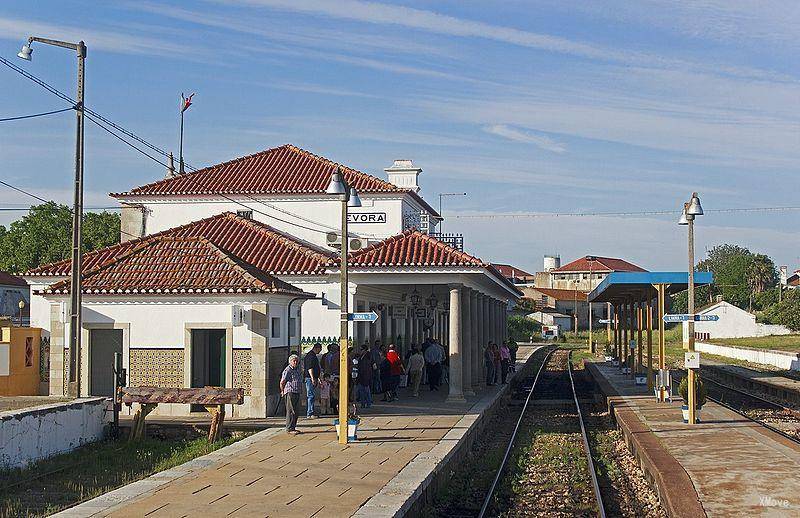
[(169, 264), (280, 170), (413, 248), (249, 241), (512, 271), (7, 279), (559, 294), (599, 264)]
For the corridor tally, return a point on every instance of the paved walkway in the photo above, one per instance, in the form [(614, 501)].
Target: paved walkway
[(311, 474), (737, 467)]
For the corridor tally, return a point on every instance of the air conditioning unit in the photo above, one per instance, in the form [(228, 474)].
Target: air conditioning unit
[(333, 239), (357, 243)]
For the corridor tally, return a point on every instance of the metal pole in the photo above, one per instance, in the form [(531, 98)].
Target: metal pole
[(661, 340), (608, 324), (639, 329), (650, 343), (74, 389), (344, 373), (591, 345), (180, 146), (691, 381)]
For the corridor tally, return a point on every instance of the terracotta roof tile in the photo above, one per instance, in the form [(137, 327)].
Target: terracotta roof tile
[(512, 271), (251, 242), (599, 264), (280, 170), (169, 264)]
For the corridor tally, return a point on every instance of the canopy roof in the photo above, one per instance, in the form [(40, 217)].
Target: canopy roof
[(622, 286)]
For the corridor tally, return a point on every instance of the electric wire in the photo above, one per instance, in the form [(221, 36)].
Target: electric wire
[(21, 117), (628, 213)]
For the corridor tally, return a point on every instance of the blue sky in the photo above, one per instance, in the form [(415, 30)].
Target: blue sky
[(540, 106)]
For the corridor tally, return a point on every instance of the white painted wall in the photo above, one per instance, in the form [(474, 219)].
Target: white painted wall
[(36, 433), (781, 359), (733, 322), (318, 212)]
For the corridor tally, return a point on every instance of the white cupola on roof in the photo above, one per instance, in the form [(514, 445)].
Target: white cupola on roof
[(403, 173)]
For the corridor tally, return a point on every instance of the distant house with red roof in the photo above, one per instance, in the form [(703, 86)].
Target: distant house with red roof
[(13, 289), (514, 274), (584, 273)]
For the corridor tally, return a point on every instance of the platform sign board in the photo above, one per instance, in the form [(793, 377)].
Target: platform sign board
[(686, 317), (399, 311), (604, 321), (363, 317), (691, 359)]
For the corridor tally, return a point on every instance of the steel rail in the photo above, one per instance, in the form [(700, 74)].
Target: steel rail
[(595, 485), (500, 469)]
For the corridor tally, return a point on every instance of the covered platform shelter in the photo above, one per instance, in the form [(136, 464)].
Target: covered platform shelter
[(636, 299)]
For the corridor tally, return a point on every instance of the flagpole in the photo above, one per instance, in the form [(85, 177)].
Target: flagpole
[(180, 152)]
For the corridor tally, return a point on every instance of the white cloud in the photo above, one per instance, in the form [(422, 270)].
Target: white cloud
[(546, 143), (16, 29)]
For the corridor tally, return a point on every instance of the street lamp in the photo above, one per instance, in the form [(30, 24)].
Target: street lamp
[(691, 210), (591, 260), (77, 213), (349, 198)]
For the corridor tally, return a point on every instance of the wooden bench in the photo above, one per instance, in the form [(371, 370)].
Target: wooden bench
[(213, 399)]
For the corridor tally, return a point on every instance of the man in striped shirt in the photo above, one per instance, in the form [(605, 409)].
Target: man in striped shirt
[(291, 386)]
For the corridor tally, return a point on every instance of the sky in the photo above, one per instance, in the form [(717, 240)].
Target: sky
[(544, 107)]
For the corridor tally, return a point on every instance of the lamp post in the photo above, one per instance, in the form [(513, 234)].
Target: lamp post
[(77, 213), (591, 260), (691, 209), (349, 198), (575, 309)]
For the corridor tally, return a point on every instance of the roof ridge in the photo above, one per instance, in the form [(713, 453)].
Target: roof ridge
[(337, 164), (293, 241)]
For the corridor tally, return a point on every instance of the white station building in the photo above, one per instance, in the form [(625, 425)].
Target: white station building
[(236, 264)]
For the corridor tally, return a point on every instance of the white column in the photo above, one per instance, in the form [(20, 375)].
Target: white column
[(492, 320), (456, 393), (476, 354), (483, 335), (466, 341)]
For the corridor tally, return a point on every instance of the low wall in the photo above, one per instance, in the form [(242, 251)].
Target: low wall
[(781, 359), (30, 434)]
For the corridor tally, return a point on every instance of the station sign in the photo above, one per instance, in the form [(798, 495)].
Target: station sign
[(691, 360), (363, 317), (366, 217), (399, 311), (686, 317)]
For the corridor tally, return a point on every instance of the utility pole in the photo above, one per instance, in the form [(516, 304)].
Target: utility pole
[(74, 386), (690, 211)]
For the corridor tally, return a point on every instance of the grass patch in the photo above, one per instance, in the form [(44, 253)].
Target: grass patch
[(778, 342), (59, 482)]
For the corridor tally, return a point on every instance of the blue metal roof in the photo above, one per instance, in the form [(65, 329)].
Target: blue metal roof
[(620, 286)]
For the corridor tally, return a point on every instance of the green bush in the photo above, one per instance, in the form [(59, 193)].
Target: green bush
[(521, 328), (700, 393), (787, 312)]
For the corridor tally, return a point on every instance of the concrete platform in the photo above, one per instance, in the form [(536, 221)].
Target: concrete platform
[(725, 466), (405, 450)]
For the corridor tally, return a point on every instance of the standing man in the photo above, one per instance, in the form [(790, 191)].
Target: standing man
[(311, 369), (434, 355), (415, 365), (291, 382)]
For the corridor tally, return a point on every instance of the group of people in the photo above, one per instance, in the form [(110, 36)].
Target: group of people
[(375, 369), (499, 361)]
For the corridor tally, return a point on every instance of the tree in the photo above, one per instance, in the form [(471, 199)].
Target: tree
[(761, 274), (44, 236), (521, 328), (786, 312)]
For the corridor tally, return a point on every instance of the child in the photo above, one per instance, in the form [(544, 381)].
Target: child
[(325, 394)]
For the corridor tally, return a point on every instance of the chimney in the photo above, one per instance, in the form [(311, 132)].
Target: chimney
[(403, 173), (171, 168)]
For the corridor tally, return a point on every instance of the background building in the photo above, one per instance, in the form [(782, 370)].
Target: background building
[(583, 274)]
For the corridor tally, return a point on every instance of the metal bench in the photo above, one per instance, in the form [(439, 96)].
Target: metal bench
[(213, 399)]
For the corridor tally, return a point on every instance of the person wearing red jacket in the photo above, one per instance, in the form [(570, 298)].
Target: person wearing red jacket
[(396, 369)]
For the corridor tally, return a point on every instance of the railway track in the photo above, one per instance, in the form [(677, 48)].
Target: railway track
[(779, 418), (569, 487)]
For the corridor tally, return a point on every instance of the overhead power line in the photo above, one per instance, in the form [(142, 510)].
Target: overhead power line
[(628, 213), (8, 119)]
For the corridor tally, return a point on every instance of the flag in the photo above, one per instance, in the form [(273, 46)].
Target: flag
[(186, 102)]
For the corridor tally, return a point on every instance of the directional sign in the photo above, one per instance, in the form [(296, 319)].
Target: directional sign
[(604, 321), (685, 318), (363, 317)]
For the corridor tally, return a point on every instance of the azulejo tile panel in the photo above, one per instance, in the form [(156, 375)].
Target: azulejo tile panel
[(156, 368), (242, 370)]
